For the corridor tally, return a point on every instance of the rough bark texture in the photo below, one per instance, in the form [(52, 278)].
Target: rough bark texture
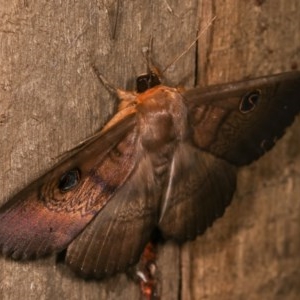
[(50, 100)]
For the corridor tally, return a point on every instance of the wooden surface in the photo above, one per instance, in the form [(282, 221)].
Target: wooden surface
[(50, 100)]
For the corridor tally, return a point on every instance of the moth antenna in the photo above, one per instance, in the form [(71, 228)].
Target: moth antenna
[(147, 53), (122, 95), (191, 45), (105, 82)]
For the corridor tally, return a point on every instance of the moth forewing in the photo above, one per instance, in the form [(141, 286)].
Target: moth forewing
[(47, 215)]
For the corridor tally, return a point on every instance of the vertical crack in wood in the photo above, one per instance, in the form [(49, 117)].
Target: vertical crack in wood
[(180, 276), (209, 45)]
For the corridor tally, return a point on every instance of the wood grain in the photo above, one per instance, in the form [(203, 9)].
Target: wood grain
[(50, 100), (253, 251)]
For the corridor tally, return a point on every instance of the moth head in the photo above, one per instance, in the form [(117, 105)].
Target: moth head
[(69, 180), (249, 101), (147, 81)]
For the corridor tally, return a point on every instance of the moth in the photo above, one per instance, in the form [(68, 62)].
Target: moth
[(166, 161)]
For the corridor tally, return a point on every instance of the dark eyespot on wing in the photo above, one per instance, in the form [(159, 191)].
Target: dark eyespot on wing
[(69, 180), (250, 101)]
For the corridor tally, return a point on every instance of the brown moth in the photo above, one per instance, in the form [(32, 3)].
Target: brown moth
[(103, 203)]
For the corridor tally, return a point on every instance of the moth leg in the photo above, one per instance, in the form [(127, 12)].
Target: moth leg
[(152, 68), (146, 273)]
